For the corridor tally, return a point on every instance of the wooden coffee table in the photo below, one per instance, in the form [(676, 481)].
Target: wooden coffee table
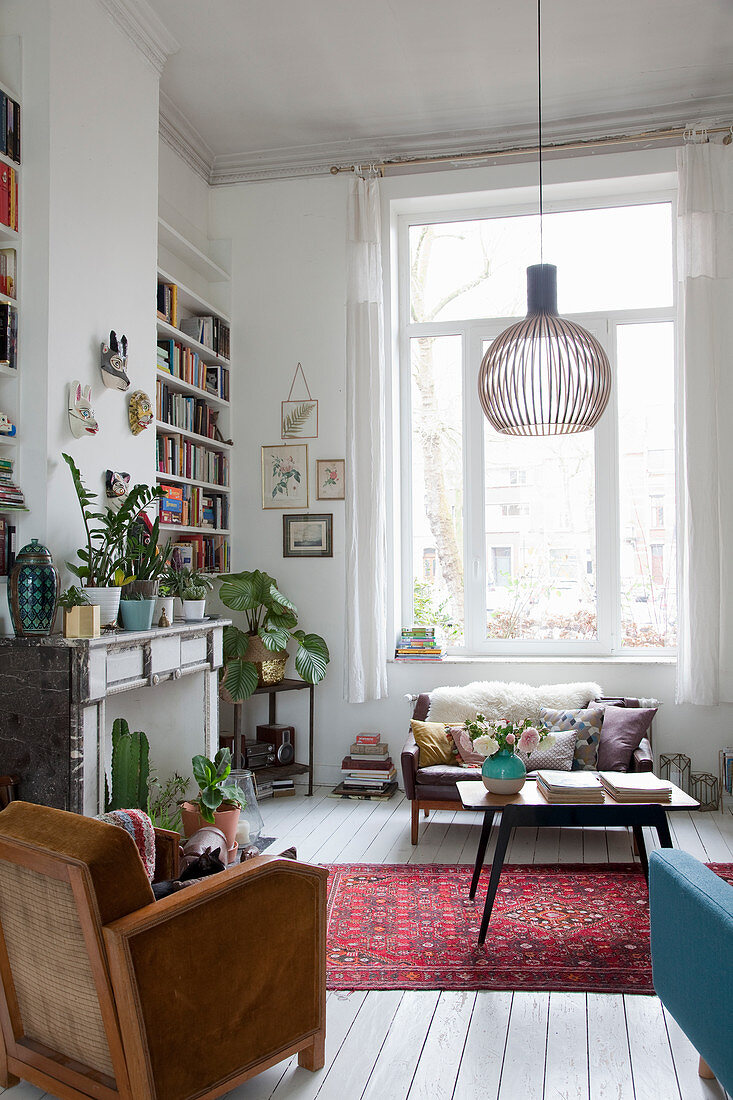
[(531, 808)]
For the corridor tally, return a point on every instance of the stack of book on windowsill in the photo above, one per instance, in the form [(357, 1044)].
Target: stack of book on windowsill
[(368, 772), (636, 787), (418, 643), (575, 788)]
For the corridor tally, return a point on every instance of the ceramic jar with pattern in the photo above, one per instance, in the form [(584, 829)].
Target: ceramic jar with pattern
[(33, 591)]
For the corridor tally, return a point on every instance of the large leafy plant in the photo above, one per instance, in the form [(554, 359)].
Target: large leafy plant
[(271, 617), (214, 791), (104, 559)]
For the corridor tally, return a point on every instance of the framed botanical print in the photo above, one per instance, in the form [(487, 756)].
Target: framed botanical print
[(330, 478), (285, 476), (308, 536)]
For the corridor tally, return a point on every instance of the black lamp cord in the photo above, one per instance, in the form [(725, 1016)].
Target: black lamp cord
[(539, 113)]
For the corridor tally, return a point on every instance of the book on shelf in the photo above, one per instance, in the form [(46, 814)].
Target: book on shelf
[(342, 791), (168, 303), (8, 335), (570, 787), (188, 366), (370, 752), (192, 414), (3, 546), (10, 547), (360, 763), (8, 196), (210, 331), (182, 556), (10, 127), (184, 458), (8, 261), (636, 787)]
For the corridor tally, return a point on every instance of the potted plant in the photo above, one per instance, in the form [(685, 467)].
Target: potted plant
[(103, 570), (218, 802), (271, 621), (190, 586), (502, 771), (81, 617), (136, 610), (166, 597), (148, 561)]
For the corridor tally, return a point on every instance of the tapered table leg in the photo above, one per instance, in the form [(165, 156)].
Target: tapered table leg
[(483, 841), (502, 841)]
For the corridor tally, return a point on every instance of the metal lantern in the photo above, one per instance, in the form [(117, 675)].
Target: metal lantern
[(675, 767), (544, 375), (704, 787)]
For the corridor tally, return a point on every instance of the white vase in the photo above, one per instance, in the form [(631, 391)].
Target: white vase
[(163, 603), (193, 610), (108, 601)]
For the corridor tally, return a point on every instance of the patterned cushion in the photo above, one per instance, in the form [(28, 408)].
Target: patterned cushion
[(140, 827), (586, 725), (556, 757), (464, 746)]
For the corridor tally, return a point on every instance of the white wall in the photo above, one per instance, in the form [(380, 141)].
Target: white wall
[(288, 286)]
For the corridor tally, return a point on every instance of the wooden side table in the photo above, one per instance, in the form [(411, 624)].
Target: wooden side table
[(280, 771)]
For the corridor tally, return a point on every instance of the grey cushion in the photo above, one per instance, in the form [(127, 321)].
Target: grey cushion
[(557, 757)]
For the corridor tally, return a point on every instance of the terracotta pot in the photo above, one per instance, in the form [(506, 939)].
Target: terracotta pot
[(226, 820)]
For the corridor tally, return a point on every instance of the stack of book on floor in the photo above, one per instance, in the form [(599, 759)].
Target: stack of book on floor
[(636, 787), (368, 772), (575, 788), (418, 643)]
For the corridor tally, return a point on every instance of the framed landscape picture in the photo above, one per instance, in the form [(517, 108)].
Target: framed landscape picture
[(308, 536), (285, 476), (330, 478)]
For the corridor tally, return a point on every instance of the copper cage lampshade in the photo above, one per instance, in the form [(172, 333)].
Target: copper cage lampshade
[(544, 375)]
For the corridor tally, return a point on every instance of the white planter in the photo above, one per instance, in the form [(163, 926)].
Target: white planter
[(193, 610), (163, 603), (108, 601)]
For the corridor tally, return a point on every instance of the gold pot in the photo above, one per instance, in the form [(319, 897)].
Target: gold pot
[(270, 664)]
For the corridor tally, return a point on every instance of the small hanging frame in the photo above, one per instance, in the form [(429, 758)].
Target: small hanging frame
[(299, 419)]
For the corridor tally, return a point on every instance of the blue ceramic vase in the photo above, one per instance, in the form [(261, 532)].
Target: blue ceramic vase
[(33, 591), (503, 773), (137, 614)]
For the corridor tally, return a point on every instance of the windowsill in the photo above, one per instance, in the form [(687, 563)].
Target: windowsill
[(547, 659)]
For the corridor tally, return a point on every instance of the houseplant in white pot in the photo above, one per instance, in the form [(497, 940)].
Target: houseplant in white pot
[(190, 587), (104, 559)]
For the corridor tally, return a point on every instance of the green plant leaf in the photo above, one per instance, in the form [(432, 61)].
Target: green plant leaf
[(203, 771), (240, 679), (312, 657), (211, 797), (235, 642), (232, 793), (297, 418), (282, 601), (274, 638)]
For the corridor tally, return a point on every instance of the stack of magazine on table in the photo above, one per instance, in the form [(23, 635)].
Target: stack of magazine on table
[(576, 788), (368, 772), (636, 787)]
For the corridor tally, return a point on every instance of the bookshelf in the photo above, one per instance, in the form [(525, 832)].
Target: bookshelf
[(193, 398), (12, 506)]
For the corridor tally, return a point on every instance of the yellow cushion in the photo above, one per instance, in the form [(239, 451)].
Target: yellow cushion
[(435, 747)]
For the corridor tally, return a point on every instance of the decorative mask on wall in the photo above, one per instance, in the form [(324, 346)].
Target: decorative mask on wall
[(117, 489), (7, 428), (81, 414), (114, 363), (140, 412)]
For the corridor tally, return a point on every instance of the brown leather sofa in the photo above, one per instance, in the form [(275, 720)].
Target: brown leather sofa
[(107, 993), (434, 788)]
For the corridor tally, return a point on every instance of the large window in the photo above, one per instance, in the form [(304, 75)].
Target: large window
[(562, 543)]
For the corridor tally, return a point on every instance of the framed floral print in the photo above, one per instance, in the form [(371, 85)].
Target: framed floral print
[(330, 478), (285, 476), (308, 536)]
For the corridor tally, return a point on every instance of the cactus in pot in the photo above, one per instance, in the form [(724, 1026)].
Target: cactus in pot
[(130, 769)]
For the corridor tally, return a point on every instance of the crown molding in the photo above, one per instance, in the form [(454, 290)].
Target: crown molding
[(184, 139), (138, 20), (303, 161)]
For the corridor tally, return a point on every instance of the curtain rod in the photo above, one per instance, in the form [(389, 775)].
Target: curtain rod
[(520, 150)]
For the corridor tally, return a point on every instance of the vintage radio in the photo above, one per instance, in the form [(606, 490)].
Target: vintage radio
[(283, 738), (258, 754)]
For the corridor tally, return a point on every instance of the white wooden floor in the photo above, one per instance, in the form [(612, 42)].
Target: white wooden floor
[(470, 1046)]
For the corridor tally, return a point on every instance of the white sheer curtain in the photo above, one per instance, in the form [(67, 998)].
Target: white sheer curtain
[(705, 459), (365, 646)]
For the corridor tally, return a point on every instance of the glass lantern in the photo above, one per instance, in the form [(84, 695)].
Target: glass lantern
[(704, 787), (675, 767), (250, 819)]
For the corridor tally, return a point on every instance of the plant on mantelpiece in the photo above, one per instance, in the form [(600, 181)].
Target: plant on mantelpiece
[(81, 617)]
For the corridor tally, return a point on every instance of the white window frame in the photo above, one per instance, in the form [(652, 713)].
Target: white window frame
[(473, 332)]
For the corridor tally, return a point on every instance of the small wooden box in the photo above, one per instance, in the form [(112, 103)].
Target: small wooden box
[(82, 621)]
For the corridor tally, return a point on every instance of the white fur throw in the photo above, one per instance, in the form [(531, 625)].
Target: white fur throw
[(500, 701)]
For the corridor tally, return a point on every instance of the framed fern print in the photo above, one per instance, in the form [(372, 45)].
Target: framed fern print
[(299, 419)]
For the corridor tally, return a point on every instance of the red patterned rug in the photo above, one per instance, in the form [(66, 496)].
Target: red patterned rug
[(578, 927)]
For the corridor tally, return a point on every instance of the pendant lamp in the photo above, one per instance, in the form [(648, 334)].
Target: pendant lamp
[(544, 375)]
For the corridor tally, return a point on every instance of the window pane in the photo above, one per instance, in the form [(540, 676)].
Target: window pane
[(647, 484), (461, 270), (540, 537), (437, 483)]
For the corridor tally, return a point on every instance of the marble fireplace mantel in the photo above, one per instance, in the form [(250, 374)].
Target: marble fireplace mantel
[(53, 691)]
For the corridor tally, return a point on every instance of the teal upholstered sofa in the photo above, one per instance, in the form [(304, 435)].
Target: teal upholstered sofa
[(691, 913)]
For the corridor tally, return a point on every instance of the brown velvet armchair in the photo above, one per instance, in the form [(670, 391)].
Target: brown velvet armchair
[(434, 788), (106, 993)]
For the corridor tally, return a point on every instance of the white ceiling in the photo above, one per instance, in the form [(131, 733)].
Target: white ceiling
[(263, 87)]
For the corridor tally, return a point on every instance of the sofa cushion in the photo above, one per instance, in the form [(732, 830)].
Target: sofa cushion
[(622, 733), (445, 774), (464, 745), (435, 746), (555, 757), (586, 724)]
